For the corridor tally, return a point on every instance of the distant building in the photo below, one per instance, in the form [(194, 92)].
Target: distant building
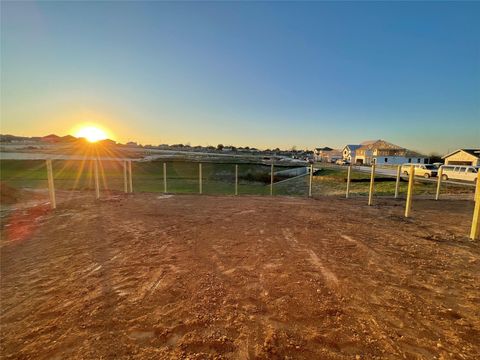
[(384, 153), (463, 157), (326, 154), (349, 152)]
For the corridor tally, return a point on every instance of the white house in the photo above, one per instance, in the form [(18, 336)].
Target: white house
[(349, 152), (384, 153), (463, 157)]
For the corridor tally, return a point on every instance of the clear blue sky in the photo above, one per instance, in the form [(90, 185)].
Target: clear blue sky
[(259, 74)]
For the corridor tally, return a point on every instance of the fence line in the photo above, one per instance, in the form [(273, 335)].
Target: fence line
[(128, 184)]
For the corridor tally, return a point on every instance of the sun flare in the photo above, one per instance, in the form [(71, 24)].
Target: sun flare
[(91, 133)]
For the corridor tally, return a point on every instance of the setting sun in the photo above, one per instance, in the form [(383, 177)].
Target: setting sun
[(91, 133)]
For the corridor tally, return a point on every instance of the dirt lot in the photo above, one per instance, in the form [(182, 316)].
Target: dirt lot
[(153, 277)]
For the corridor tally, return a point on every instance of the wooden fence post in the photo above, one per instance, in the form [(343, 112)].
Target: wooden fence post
[(310, 182), (236, 179), (200, 190), (349, 174), (271, 179), (475, 231), (411, 180), (130, 175), (97, 184), (51, 184), (125, 181), (439, 182), (397, 183), (164, 177), (372, 180)]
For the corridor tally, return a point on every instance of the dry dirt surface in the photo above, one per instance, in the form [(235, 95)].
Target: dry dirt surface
[(204, 277)]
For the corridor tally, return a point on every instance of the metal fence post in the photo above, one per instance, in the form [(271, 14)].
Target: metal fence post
[(164, 177), (439, 182), (51, 184), (200, 190), (475, 230), (372, 180), (349, 174), (397, 183), (310, 181), (125, 181), (97, 185), (271, 179), (130, 173), (411, 179), (236, 179)]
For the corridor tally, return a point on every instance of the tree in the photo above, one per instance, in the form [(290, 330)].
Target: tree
[(435, 158), (220, 147)]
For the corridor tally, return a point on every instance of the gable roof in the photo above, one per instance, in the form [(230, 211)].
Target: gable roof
[(379, 144), (353, 147), (473, 152)]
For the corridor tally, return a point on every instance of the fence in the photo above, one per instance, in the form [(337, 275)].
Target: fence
[(231, 179)]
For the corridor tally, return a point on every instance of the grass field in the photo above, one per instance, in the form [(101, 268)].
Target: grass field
[(218, 178)]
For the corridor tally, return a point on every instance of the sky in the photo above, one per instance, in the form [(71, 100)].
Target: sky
[(263, 74)]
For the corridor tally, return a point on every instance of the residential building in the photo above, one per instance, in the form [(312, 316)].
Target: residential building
[(349, 152), (327, 154), (385, 153), (463, 157)]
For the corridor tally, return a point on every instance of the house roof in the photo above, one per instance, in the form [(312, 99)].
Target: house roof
[(473, 152), (353, 147), (379, 144)]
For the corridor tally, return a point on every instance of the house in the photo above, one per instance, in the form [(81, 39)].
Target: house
[(384, 153), (463, 157), (349, 152), (326, 154)]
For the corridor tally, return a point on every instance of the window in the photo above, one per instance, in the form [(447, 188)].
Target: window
[(409, 160), (386, 159), (418, 161)]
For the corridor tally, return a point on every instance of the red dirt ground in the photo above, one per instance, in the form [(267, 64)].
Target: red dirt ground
[(195, 277)]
